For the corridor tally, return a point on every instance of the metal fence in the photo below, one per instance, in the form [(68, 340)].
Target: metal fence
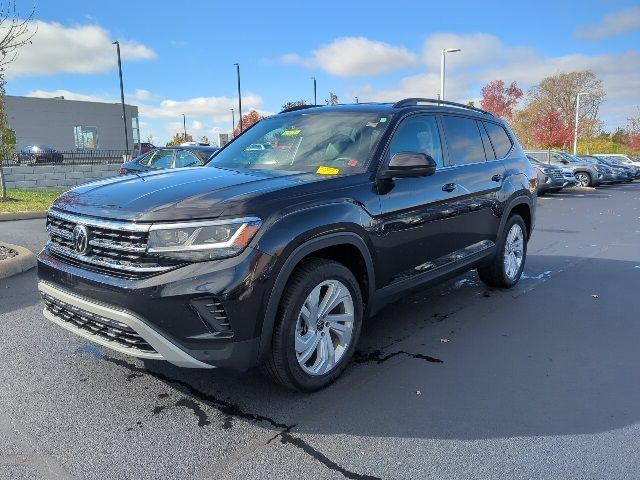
[(71, 157)]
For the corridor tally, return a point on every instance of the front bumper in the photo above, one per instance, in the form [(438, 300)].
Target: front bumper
[(165, 310)]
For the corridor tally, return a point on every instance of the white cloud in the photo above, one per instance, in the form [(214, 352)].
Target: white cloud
[(142, 94), (356, 57), (76, 49), (484, 58), (611, 25)]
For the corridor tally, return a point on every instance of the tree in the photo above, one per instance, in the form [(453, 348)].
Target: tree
[(332, 100), (150, 138), (179, 138), (247, 120), (500, 100), (15, 32), (204, 139), (294, 103), (634, 133), (559, 92), (550, 131)]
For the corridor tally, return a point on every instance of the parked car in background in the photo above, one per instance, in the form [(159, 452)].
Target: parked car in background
[(550, 177), (622, 173), (616, 161), (39, 154), (619, 157), (169, 157), (586, 174)]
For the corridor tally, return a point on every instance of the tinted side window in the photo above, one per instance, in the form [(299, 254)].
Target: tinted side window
[(464, 141), (488, 148), (501, 141), (419, 134), (184, 158)]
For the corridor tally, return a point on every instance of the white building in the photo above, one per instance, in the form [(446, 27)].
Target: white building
[(71, 124)]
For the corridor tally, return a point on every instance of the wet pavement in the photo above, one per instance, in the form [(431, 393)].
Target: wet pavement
[(457, 381)]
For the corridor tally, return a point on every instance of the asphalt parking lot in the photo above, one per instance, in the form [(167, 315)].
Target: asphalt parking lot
[(458, 381)]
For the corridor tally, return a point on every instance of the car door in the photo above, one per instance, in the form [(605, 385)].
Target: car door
[(478, 175), (417, 214)]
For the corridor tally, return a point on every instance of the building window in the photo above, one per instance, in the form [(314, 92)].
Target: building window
[(86, 138), (135, 132)]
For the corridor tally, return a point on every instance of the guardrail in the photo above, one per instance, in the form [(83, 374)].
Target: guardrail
[(71, 157)]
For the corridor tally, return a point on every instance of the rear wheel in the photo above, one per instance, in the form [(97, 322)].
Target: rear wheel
[(506, 267), (318, 326), (584, 179)]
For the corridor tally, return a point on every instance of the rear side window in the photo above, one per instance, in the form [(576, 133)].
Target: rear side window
[(501, 142), (488, 149), (463, 139), (418, 134)]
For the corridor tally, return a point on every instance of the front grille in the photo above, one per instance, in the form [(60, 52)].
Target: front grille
[(106, 328), (557, 175), (119, 248)]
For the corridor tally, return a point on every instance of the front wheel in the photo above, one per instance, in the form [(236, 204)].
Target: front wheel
[(583, 179), (318, 326), (506, 268)]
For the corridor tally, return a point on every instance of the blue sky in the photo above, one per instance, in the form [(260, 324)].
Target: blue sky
[(179, 58)]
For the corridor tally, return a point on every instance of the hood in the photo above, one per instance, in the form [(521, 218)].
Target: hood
[(180, 194)]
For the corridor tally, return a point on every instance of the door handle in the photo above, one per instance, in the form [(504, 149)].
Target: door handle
[(496, 178), (449, 187)]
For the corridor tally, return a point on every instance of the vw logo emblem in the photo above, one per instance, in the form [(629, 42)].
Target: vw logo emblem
[(81, 239)]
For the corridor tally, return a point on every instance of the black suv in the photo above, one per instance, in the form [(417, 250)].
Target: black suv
[(275, 256)]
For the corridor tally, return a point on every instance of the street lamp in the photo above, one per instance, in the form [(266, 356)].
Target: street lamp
[(575, 131), (444, 52), (184, 126), (239, 96), (233, 121), (124, 114), (315, 97)]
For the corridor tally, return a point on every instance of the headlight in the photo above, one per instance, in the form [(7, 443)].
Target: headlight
[(547, 170), (203, 240)]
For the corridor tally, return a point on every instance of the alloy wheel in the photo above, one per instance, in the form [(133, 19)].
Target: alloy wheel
[(513, 251), (324, 328), (583, 179)]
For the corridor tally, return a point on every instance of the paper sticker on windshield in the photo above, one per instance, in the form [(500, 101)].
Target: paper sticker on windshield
[(382, 120), (372, 124), (328, 171), (291, 133)]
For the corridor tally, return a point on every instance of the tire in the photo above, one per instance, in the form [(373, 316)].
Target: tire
[(496, 274), (584, 179), (285, 364)]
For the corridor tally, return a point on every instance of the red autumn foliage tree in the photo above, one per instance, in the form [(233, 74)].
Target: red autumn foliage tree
[(550, 131), (500, 100), (634, 134), (247, 120)]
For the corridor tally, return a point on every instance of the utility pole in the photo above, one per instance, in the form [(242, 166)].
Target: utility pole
[(184, 126), (315, 96), (233, 121), (124, 113), (239, 95), (575, 131)]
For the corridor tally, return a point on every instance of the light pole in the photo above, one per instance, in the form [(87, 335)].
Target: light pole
[(315, 97), (444, 52), (239, 95), (233, 122), (575, 131), (184, 126), (124, 114)]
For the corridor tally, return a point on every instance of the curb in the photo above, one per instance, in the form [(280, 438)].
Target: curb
[(25, 260), (8, 216)]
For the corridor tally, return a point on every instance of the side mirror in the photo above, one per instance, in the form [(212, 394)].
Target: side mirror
[(409, 164)]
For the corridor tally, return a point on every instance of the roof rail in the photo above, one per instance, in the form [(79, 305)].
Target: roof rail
[(408, 102), (298, 107)]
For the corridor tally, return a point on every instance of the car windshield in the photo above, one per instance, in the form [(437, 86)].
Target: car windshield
[(334, 143), (570, 158)]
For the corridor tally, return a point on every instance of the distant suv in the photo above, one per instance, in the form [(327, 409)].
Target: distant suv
[(275, 257), (587, 174)]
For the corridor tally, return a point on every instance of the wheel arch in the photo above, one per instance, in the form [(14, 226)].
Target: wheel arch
[(335, 246), (522, 206)]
